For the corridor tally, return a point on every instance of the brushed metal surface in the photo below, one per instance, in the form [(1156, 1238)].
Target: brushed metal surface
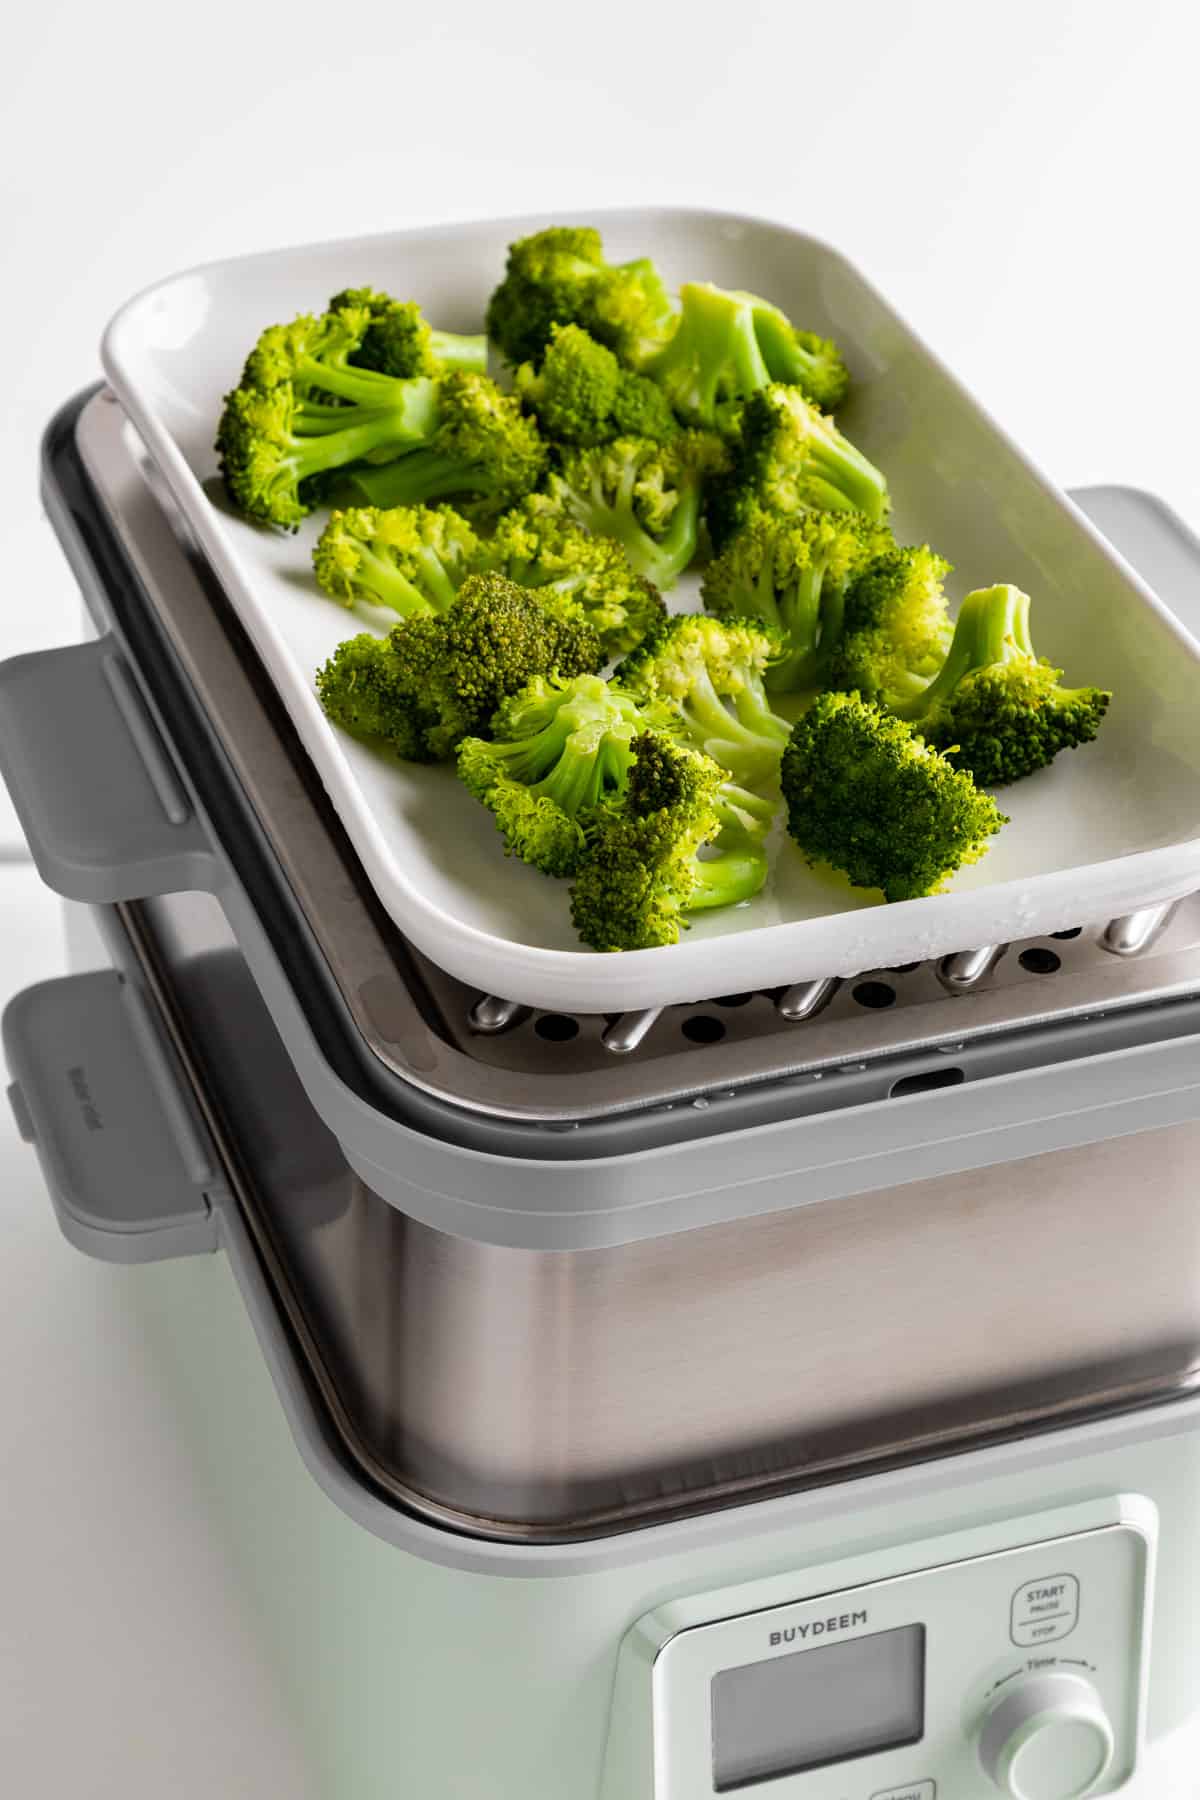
[(529, 1394)]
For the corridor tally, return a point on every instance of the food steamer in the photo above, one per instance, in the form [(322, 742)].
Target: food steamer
[(794, 1390)]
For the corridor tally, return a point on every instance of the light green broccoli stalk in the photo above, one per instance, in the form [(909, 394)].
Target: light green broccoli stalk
[(647, 496), (788, 457), (413, 559), (728, 345), (995, 707), (790, 574), (480, 447), (705, 676), (557, 749), (279, 452)]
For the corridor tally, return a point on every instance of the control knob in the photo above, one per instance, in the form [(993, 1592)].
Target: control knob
[(1047, 1738)]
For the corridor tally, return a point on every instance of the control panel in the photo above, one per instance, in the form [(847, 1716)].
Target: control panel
[(1004, 1661)]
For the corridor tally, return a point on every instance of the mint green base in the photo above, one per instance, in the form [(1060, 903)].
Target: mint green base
[(410, 1681)]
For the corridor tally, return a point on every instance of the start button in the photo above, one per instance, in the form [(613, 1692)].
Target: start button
[(1044, 1611), (916, 1790)]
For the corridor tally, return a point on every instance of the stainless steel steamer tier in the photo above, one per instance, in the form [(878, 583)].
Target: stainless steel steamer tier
[(557, 1277)]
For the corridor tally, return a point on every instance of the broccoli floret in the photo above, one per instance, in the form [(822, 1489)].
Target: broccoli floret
[(631, 311), (645, 866), (582, 394), (560, 277), (895, 627), (789, 456), (279, 451), (536, 546), (706, 676), (558, 748), (317, 356), (729, 345), (647, 496), (866, 795), (400, 340), (359, 691), (790, 575), (481, 445), (441, 677), (411, 558), (995, 707)]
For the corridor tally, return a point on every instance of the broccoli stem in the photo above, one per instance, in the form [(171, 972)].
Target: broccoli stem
[(785, 358), (455, 351), (660, 559), (577, 781), (383, 578), (844, 480), (421, 476), (365, 387), (713, 347), (320, 444), (799, 619), (993, 624), (734, 874)]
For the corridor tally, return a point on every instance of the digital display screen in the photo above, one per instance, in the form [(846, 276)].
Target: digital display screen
[(814, 1707)]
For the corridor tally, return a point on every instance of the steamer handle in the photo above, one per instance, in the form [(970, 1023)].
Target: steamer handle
[(105, 813), (96, 1089)]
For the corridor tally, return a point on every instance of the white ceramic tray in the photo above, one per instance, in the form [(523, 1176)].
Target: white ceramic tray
[(1108, 829)]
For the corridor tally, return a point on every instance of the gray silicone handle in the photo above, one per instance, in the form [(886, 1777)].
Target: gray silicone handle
[(104, 812), (97, 1092)]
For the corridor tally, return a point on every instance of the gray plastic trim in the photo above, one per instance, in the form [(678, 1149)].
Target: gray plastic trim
[(130, 1168), (105, 814)]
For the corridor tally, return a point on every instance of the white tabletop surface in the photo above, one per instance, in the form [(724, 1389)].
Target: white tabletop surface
[(1020, 180)]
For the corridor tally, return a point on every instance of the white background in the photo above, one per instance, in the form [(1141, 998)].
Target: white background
[(1021, 180)]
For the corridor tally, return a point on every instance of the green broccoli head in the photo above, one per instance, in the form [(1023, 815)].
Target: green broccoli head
[(399, 340), (547, 281), (645, 867), (481, 447), (705, 675), (560, 277), (790, 574), (444, 675), (583, 395), (359, 691), (411, 558), (787, 457), (646, 496), (558, 749), (866, 795), (538, 546), (995, 708), (895, 626), (632, 311), (728, 345), (279, 452)]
